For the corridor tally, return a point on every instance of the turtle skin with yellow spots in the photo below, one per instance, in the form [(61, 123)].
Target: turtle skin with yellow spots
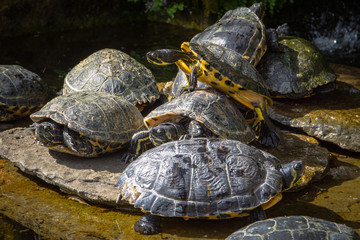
[(206, 178), (87, 124), (22, 92)]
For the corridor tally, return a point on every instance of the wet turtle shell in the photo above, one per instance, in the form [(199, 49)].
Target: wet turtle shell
[(241, 30), (114, 72), (297, 71), (105, 120), (294, 228), (21, 93), (201, 178), (211, 108)]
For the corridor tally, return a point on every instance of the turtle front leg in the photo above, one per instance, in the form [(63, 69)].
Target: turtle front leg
[(148, 224), (140, 142), (257, 214)]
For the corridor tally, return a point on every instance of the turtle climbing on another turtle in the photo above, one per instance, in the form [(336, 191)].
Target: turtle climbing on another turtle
[(87, 124), (114, 72), (227, 71), (201, 113), (294, 228), (22, 92), (208, 178)]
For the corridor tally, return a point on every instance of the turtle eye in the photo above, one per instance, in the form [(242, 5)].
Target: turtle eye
[(47, 128), (298, 166)]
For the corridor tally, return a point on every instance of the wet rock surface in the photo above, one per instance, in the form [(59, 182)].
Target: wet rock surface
[(333, 117)]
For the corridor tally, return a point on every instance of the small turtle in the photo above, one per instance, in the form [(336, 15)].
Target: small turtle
[(227, 71), (114, 72), (87, 124), (295, 228), (207, 178), (201, 113), (22, 92), (296, 72)]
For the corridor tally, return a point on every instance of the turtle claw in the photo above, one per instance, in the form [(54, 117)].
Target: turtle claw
[(128, 157), (148, 224)]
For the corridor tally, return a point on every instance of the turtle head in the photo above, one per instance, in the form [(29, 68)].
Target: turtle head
[(258, 9), (291, 173), (165, 132), (168, 56), (48, 133)]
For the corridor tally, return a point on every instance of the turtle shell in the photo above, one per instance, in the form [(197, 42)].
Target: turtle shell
[(114, 72), (97, 115), (241, 30), (201, 178), (232, 65), (209, 107), (297, 71), (21, 93), (294, 228)]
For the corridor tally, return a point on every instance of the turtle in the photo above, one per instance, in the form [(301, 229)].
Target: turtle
[(300, 70), (22, 92), (294, 228), (241, 30), (87, 124), (114, 72), (227, 71), (201, 113), (205, 178)]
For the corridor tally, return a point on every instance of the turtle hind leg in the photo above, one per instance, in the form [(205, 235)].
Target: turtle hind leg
[(257, 214), (148, 224), (263, 126)]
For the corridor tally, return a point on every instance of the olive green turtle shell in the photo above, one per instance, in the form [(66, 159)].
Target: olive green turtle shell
[(209, 107), (201, 178), (298, 70), (232, 65), (114, 72), (294, 228), (21, 92), (97, 115)]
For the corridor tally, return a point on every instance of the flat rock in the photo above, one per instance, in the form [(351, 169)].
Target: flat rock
[(333, 117), (92, 179)]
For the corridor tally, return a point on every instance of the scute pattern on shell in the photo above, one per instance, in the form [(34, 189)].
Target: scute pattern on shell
[(200, 177), (114, 72), (215, 110), (21, 87), (294, 228), (96, 114)]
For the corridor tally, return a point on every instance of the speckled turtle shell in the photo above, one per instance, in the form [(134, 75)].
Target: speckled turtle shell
[(241, 30), (21, 92), (100, 116), (209, 107), (294, 228), (114, 72), (201, 178), (297, 71)]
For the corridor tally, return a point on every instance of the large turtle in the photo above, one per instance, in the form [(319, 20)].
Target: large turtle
[(208, 178), (227, 71), (201, 113), (114, 72), (87, 124), (298, 71), (295, 228), (22, 92)]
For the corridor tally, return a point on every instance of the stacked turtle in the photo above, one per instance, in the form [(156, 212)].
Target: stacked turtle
[(98, 112), (202, 166)]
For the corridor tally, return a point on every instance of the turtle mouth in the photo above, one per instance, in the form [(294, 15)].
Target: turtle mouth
[(152, 57)]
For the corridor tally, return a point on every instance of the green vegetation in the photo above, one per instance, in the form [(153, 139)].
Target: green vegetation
[(168, 8)]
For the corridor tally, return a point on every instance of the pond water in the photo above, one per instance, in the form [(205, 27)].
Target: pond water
[(52, 55)]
